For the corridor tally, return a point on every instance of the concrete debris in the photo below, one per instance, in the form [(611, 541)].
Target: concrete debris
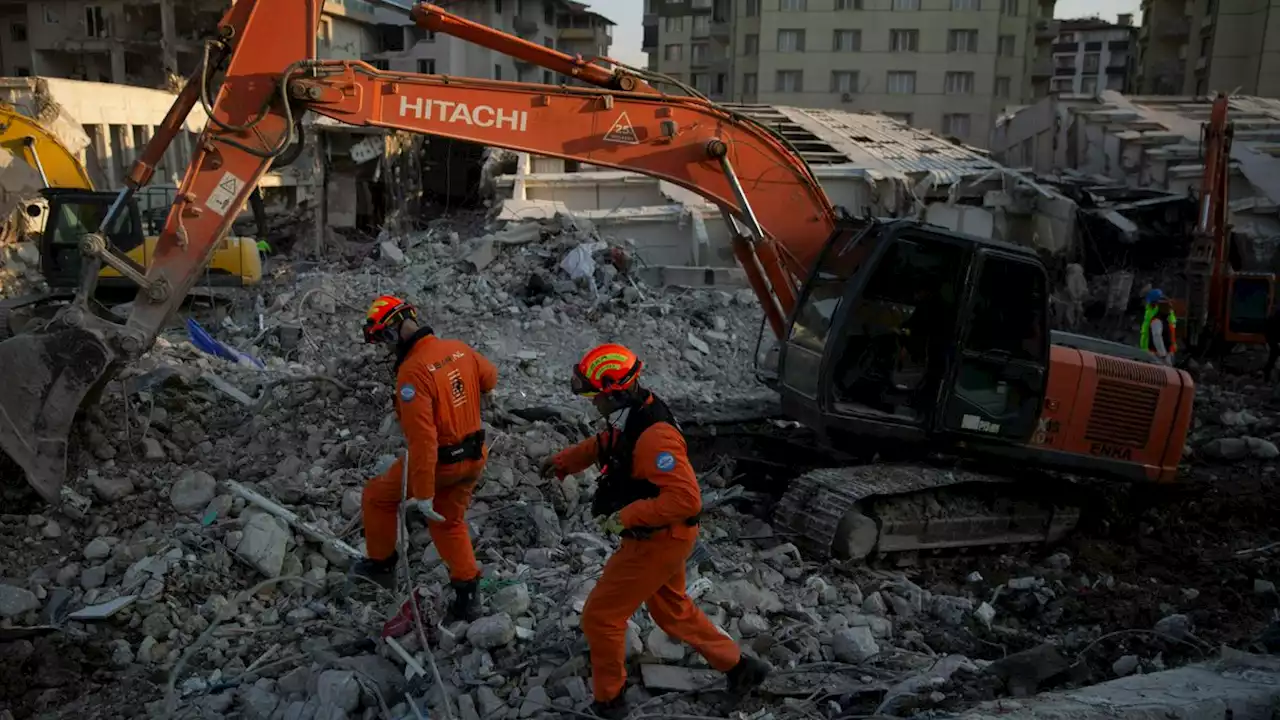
[(166, 550)]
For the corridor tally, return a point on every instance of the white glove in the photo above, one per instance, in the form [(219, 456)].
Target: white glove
[(428, 509)]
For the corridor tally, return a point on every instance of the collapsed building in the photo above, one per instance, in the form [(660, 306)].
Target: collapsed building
[(1142, 156)]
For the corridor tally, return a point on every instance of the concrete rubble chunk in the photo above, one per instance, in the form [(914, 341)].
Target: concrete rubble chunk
[(467, 708), (97, 549), (391, 255), (193, 491), (751, 625), (15, 601), (699, 344), (1125, 665), (1177, 626), (338, 688), (670, 678), (110, 488), (1024, 671), (855, 645), (263, 544), (492, 631), (535, 702), (512, 600), (664, 647)]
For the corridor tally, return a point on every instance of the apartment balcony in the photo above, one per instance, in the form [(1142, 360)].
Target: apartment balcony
[(721, 29), (1066, 47), (1174, 28), (700, 6), (1042, 68), (1046, 30), (525, 26), (597, 35)]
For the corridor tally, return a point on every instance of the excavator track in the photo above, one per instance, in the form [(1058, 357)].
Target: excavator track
[(854, 512)]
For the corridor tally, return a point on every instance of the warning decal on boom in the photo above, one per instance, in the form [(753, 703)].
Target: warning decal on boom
[(622, 131)]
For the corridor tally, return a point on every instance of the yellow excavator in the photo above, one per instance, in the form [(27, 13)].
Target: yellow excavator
[(75, 210)]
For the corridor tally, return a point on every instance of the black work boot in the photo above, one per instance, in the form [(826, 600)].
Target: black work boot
[(381, 572), (747, 675), (615, 709), (466, 600)]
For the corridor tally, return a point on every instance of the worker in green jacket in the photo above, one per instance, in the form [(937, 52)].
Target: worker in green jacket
[(1159, 328)]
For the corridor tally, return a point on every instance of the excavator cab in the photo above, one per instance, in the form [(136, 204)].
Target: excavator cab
[(75, 213), (1250, 299), (908, 332)]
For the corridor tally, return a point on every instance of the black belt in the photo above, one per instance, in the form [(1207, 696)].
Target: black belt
[(471, 448), (644, 532)]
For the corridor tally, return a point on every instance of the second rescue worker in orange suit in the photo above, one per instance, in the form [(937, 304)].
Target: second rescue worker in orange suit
[(649, 495), (439, 384)]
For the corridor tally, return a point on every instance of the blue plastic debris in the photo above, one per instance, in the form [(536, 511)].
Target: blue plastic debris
[(203, 340)]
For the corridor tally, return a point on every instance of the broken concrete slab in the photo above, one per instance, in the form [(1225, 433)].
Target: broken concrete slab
[(1239, 685), (671, 678)]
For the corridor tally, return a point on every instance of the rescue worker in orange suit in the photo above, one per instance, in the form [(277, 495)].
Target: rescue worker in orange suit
[(439, 387), (649, 495)]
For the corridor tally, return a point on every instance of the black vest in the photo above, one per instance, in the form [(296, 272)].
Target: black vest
[(617, 488)]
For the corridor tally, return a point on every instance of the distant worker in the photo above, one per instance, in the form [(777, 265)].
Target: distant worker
[(1159, 328), (439, 384), (649, 495), (1077, 293)]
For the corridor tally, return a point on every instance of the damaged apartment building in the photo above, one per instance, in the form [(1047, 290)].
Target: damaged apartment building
[(1139, 162)]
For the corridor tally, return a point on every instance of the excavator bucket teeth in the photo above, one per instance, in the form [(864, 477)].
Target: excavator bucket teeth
[(46, 377)]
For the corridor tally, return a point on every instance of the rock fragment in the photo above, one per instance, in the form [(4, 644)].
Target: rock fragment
[(855, 645), (193, 491), (492, 632)]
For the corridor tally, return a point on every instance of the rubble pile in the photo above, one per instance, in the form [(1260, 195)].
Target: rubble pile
[(199, 568)]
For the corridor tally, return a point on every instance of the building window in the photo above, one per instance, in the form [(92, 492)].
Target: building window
[(1007, 44), (962, 41), (382, 64), (844, 81), (701, 82), (673, 24), (497, 72), (1089, 86), (908, 5), (847, 41), (698, 53), (672, 53), (1009, 7), (548, 13), (1091, 61), (18, 32), (95, 21), (793, 5), (904, 118), (1060, 85), (753, 8), (701, 25), (22, 71), (956, 124), (904, 40), (751, 45), (51, 16), (548, 42), (1115, 82), (497, 6), (901, 82), (966, 5), (790, 41), (426, 66), (721, 81), (749, 84), (848, 4), (959, 83), (1004, 85), (789, 81), (546, 77)]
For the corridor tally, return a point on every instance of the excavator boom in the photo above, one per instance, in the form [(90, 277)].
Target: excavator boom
[(779, 214)]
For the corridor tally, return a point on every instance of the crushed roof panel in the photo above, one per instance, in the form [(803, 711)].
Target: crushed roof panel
[(870, 141)]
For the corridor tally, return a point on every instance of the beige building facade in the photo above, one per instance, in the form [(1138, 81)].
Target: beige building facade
[(1194, 47), (945, 65), (1091, 55)]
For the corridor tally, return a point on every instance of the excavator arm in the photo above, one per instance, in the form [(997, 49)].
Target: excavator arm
[(780, 216), (1207, 263)]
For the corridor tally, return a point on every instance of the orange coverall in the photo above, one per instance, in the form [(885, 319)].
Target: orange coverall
[(649, 571), (438, 389)]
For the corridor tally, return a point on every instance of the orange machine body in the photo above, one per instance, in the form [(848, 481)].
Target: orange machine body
[(1113, 415)]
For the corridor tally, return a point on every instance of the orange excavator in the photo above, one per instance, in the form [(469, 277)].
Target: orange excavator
[(1224, 306), (892, 333)]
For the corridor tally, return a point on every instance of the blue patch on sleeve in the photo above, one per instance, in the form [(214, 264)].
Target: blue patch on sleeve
[(666, 462), (407, 393)]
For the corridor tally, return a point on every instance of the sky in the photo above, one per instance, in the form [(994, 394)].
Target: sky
[(629, 14)]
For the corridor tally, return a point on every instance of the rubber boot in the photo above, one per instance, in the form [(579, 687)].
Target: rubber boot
[(615, 709), (747, 675), (466, 600), (381, 572)]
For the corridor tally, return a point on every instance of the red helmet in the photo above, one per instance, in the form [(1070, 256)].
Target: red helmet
[(382, 323), (605, 369)]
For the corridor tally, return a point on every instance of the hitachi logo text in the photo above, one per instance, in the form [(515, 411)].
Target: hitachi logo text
[(483, 116)]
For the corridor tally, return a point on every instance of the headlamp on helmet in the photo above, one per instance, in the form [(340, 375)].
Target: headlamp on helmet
[(382, 323)]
